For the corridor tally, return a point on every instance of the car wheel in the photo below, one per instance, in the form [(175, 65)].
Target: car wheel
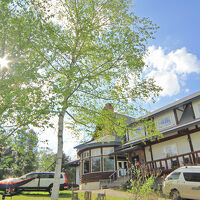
[(175, 195)]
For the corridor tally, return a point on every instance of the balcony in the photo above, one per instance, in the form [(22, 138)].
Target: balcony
[(166, 165)]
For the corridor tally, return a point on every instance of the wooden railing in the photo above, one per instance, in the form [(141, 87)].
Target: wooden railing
[(169, 164)]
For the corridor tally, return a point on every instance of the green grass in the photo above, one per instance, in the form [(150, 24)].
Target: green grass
[(45, 196)]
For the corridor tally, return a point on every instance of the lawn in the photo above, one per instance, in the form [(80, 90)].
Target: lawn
[(45, 196)]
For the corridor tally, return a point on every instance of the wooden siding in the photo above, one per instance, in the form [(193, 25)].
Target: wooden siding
[(94, 177)]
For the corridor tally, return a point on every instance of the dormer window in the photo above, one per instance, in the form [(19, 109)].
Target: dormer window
[(164, 122), (136, 133)]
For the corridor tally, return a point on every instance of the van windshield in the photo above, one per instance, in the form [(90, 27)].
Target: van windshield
[(174, 176)]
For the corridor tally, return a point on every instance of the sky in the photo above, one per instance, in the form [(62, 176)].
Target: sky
[(173, 58)]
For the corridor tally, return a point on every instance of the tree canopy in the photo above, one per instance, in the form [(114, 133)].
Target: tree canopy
[(68, 59)]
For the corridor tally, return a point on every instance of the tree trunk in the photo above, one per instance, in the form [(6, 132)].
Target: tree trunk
[(56, 185)]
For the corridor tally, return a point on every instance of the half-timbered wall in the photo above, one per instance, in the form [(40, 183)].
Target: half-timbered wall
[(195, 138), (172, 147)]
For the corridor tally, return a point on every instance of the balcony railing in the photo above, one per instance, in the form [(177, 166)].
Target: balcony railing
[(169, 164)]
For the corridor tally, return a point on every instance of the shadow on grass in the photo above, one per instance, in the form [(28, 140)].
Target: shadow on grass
[(46, 194)]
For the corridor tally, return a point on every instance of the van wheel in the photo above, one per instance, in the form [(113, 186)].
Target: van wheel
[(175, 195)]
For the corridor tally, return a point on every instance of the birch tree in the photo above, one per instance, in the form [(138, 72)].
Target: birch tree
[(76, 56)]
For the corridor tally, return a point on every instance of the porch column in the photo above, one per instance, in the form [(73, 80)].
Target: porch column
[(150, 149), (115, 162)]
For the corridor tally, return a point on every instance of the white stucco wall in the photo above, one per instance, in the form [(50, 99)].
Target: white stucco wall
[(196, 108), (182, 146), (195, 138)]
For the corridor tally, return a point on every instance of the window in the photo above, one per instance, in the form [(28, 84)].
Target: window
[(46, 175), (32, 176), (170, 150), (108, 163), (86, 154), (138, 129), (164, 122), (136, 133), (86, 166), (96, 152), (96, 163), (174, 176), (192, 177), (108, 150)]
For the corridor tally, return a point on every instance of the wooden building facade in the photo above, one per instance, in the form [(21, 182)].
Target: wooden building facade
[(177, 144)]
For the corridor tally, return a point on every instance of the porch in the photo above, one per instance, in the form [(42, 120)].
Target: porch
[(166, 165)]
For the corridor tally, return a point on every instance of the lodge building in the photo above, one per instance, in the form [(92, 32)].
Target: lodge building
[(108, 160)]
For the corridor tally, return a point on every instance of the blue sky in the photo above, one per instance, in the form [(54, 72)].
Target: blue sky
[(174, 54), (174, 58)]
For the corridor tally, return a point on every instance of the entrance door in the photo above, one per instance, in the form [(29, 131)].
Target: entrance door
[(122, 168)]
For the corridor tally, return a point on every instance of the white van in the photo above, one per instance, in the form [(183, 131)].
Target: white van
[(183, 182)]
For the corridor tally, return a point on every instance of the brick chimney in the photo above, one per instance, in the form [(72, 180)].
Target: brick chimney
[(108, 106)]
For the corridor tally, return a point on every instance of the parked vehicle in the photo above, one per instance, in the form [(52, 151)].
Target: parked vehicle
[(183, 182), (43, 181)]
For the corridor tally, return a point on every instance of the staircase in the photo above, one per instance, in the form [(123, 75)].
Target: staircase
[(119, 177)]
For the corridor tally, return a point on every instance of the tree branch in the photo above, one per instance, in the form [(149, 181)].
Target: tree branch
[(77, 120)]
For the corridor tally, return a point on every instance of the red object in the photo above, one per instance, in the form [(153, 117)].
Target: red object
[(137, 163), (11, 189), (65, 178)]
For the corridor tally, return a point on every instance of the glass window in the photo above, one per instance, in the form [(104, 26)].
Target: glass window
[(32, 176), (86, 154), (96, 163), (108, 163), (174, 176), (193, 177), (108, 150), (164, 122), (170, 150), (136, 133), (96, 152), (86, 166), (46, 175)]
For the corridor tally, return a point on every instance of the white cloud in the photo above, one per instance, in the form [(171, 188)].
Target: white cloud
[(170, 70)]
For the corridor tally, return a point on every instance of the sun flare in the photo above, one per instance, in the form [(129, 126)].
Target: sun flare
[(4, 62)]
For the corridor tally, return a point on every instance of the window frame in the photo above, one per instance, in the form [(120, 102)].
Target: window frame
[(96, 157), (104, 164)]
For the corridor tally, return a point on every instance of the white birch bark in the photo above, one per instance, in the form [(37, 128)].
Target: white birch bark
[(56, 185)]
